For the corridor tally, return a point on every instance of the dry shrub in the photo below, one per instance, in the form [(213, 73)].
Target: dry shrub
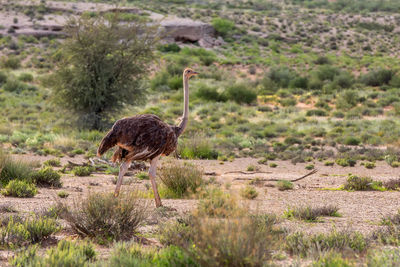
[(104, 217), (181, 179), (392, 184)]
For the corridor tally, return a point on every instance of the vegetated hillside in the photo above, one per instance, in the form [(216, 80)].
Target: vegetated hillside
[(290, 80), (297, 101)]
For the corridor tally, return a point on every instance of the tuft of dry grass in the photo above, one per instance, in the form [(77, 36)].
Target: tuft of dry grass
[(11, 169), (181, 179), (64, 143), (340, 241), (103, 217), (312, 214)]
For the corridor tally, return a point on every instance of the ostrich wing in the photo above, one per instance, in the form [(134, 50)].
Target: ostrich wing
[(145, 137)]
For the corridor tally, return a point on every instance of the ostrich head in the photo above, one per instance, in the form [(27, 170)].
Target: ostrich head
[(188, 72)]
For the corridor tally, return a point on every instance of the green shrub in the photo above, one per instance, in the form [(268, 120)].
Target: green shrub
[(47, 177), (369, 165), (329, 163), (169, 48), (249, 192), (25, 77), (14, 86), (19, 188), (66, 253), (332, 260), (62, 194), (240, 94), (11, 63), (281, 76), (316, 112), (357, 183), (3, 78), (352, 141), (175, 82), (344, 162), (104, 217), (309, 167), (52, 162), (82, 170), (273, 165), (223, 26), (348, 99), (284, 185), (181, 179)]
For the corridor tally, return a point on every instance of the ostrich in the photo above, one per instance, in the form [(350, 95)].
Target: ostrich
[(145, 137)]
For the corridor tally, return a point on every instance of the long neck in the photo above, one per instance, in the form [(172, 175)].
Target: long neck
[(185, 117)]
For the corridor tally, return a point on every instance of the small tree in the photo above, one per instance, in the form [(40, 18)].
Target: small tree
[(103, 63)]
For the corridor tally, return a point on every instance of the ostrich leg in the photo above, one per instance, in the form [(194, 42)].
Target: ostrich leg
[(152, 175), (122, 170)]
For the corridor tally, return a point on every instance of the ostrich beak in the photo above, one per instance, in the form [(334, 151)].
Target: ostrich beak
[(195, 73)]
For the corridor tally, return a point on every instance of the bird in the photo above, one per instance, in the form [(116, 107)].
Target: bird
[(145, 137)]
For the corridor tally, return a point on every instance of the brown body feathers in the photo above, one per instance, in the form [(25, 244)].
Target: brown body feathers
[(140, 137)]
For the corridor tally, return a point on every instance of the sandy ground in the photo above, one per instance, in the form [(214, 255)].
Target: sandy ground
[(361, 211)]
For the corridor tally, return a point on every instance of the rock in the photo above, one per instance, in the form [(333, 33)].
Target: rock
[(187, 30)]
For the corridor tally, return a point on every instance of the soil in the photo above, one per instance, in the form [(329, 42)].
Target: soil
[(360, 211)]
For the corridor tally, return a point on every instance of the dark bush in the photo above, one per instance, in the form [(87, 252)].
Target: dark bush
[(169, 48), (240, 94), (377, 77), (209, 93), (316, 112)]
